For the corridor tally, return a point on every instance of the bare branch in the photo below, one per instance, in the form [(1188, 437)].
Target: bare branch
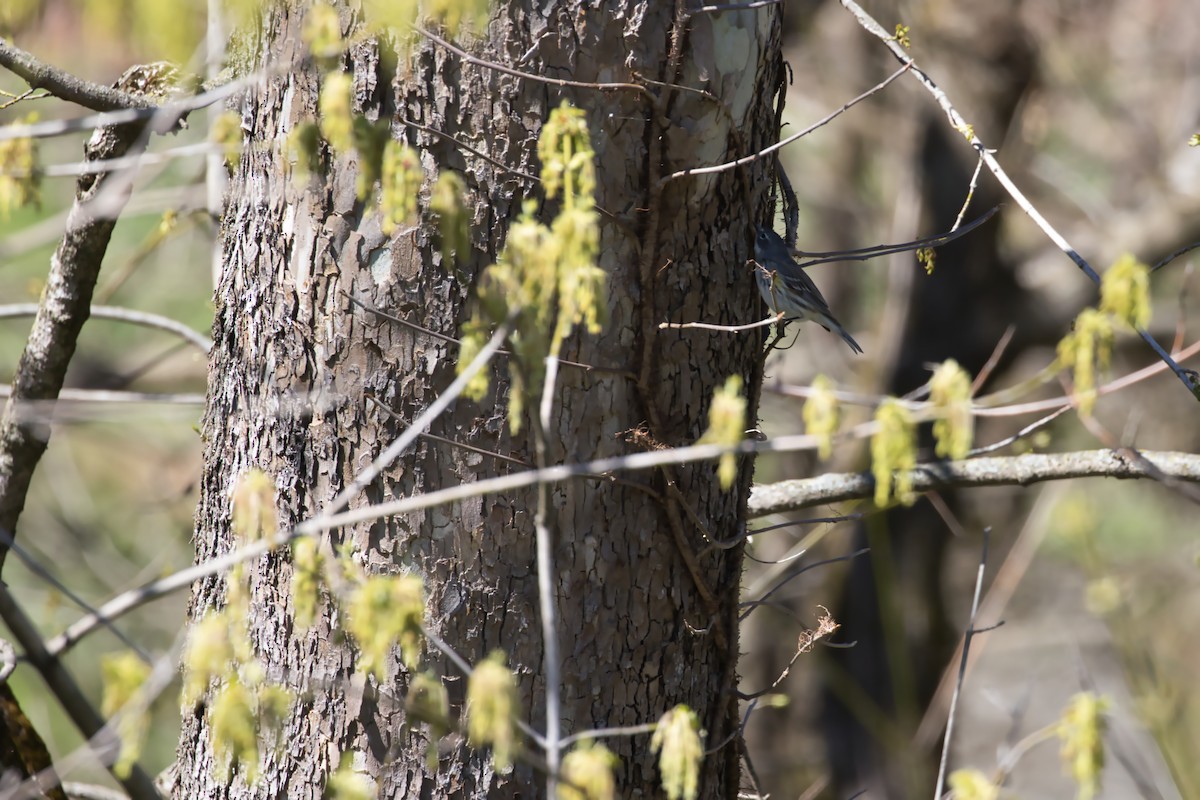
[(67, 299), (989, 157), (764, 500), (766, 151), (1021, 470), (962, 666), (143, 318), (65, 86), (74, 702), (516, 73), (547, 606)]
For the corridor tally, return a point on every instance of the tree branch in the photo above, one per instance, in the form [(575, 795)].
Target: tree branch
[(40, 373), (989, 158), (1023, 470), (64, 308), (102, 740), (65, 86)]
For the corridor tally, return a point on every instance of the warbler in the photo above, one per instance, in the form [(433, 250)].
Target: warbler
[(785, 287)]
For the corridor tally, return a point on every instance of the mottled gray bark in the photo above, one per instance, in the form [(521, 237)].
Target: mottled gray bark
[(647, 622)]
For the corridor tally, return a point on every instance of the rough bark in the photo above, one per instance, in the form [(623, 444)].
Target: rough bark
[(646, 621)]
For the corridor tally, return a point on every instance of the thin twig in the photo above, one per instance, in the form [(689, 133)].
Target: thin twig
[(144, 318), (601, 733), (750, 605), (971, 187), (764, 500), (545, 580), (68, 693), (131, 162), (1021, 434), (876, 250), (167, 114), (988, 156), (962, 666), (419, 425), (457, 342), (732, 7), (1020, 470), (762, 323), (516, 73), (63, 85), (463, 145), (766, 151), (1185, 249), (42, 572), (997, 353)]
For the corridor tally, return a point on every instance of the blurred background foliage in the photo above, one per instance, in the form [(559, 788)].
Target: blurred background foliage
[(112, 501), (1090, 106)]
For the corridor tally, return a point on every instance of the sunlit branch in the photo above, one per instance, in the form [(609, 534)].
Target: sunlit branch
[(63, 85), (988, 156), (145, 319)]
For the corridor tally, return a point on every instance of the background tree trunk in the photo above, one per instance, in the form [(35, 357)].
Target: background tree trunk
[(295, 362)]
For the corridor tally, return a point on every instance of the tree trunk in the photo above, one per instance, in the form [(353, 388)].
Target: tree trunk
[(647, 616)]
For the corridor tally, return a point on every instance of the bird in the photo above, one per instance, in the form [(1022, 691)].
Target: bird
[(785, 287)]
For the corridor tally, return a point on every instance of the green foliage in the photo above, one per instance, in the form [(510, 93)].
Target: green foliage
[(15, 14), (234, 731), (307, 565), (492, 708), (971, 784), (893, 454), (587, 773), (1081, 733), (1125, 292), (219, 651), (1087, 348), (901, 36), (254, 507), (400, 184), (822, 414), (227, 134), (428, 702), (123, 675), (677, 741), (20, 178), (304, 147), (208, 656), (371, 139), (243, 708), (160, 30), (384, 611), (546, 279), (568, 160), (474, 337), (581, 283), (454, 15), (335, 111), (927, 258), (950, 393), (349, 784), (398, 16), (322, 34), (451, 210), (727, 425)]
